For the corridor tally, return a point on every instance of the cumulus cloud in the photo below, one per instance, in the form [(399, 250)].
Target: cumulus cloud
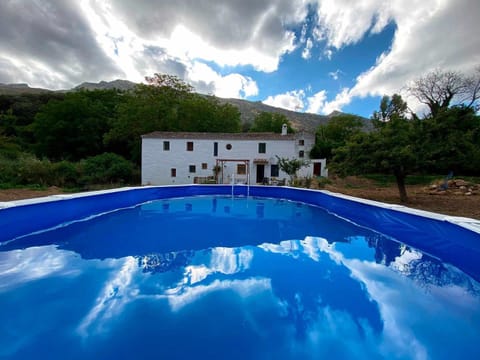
[(429, 34), (341, 99), (206, 80), (317, 102), (291, 100), (49, 43), (345, 22), (227, 32)]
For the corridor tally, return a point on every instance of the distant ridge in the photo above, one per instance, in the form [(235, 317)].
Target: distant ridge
[(6, 89), (106, 85), (300, 121), (248, 109)]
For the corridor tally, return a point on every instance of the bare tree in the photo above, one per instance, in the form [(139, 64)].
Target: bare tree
[(473, 94), (441, 89)]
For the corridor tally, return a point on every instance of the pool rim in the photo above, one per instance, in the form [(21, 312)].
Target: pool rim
[(464, 222)]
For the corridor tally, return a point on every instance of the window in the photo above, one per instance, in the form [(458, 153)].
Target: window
[(215, 149), (262, 148), (166, 146), (192, 169), (301, 153), (204, 166), (173, 172), (241, 169), (189, 145), (274, 170), (228, 146), (301, 142)]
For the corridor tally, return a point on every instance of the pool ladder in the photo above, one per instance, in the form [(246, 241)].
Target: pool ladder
[(233, 186)]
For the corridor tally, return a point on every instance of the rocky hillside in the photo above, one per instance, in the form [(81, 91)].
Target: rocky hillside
[(15, 89), (250, 109), (106, 85)]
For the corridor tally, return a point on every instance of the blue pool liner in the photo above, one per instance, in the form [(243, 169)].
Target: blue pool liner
[(454, 240)]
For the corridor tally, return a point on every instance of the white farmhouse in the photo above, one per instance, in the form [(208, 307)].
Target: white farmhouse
[(224, 158)]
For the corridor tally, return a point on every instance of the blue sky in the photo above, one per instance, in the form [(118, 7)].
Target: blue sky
[(305, 55)]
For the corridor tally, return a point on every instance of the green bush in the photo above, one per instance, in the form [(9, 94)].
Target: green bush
[(8, 171), (25, 169), (65, 174), (322, 181), (106, 168), (33, 171)]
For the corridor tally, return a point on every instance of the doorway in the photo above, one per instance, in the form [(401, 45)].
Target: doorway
[(260, 173)]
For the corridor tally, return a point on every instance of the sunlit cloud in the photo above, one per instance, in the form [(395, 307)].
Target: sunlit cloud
[(291, 100)]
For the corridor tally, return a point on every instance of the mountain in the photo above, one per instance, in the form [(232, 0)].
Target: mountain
[(248, 109), (106, 85), (15, 89), (300, 121)]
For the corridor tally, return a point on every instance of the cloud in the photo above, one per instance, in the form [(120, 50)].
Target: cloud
[(341, 99), (291, 100), (206, 80), (345, 22), (48, 43), (335, 74), (59, 44), (317, 102), (429, 35), (328, 53), (307, 50), (226, 32)]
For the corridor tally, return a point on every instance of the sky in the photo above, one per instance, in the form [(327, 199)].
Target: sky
[(308, 56)]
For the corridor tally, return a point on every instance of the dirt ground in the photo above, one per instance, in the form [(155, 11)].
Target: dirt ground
[(420, 197)]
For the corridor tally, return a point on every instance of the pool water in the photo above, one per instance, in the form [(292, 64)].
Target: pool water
[(223, 278)]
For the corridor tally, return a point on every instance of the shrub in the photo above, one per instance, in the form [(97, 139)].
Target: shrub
[(33, 171), (322, 181), (106, 168), (66, 174), (25, 169)]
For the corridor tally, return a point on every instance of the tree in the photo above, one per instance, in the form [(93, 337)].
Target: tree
[(167, 105), (270, 122), (73, 128), (389, 148), (205, 114), (8, 147), (148, 108), (170, 82), (390, 107), (106, 168), (450, 141), (334, 134), (291, 166), (441, 89)]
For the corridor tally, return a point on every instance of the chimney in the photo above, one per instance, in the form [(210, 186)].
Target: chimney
[(284, 129)]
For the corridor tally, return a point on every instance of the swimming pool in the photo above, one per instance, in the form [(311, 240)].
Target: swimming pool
[(284, 273)]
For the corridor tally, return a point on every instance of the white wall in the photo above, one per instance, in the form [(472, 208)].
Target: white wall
[(157, 163)]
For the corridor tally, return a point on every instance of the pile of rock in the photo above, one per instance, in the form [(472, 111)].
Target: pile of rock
[(455, 187)]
